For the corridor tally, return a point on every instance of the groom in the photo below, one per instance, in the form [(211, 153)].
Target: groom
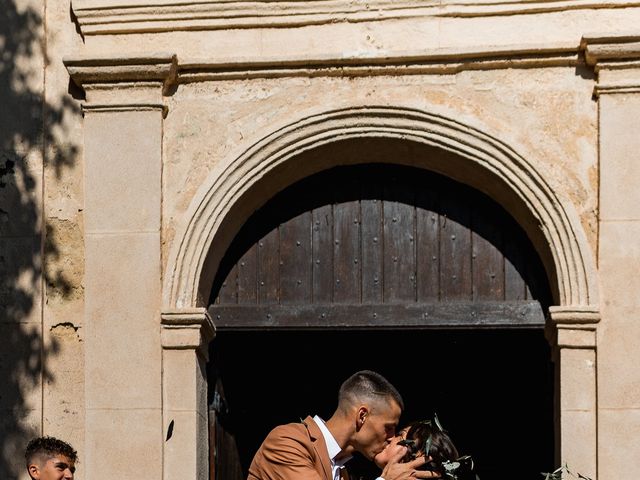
[(365, 420)]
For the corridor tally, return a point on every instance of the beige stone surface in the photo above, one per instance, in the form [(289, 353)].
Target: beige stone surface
[(128, 441), (183, 380), (122, 275), (123, 154), (579, 428), (617, 450), (619, 385), (359, 39), (63, 389), (184, 461), (559, 107), (619, 264), (578, 370), (620, 165), (185, 414)]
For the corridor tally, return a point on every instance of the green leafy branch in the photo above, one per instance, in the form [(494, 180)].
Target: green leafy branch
[(558, 474)]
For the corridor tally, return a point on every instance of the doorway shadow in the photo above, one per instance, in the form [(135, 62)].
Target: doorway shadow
[(492, 390)]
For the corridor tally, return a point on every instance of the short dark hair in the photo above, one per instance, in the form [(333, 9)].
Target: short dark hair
[(47, 447), (367, 384)]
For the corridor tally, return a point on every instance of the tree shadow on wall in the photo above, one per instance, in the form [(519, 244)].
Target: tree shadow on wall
[(27, 149)]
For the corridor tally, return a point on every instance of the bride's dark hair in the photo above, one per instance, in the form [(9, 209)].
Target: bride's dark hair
[(428, 437)]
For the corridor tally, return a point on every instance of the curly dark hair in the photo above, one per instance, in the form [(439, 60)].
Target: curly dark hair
[(47, 447)]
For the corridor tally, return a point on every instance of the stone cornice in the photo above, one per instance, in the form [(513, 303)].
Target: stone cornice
[(187, 328), (100, 17), (139, 74), (612, 50), (148, 68), (124, 83), (575, 326), (438, 62), (616, 60)]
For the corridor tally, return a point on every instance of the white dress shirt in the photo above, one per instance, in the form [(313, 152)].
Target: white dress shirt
[(332, 447)]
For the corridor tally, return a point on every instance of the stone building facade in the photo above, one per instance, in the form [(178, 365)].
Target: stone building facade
[(138, 138)]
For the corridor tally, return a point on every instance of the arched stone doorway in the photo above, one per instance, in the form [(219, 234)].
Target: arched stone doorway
[(400, 270), (236, 188)]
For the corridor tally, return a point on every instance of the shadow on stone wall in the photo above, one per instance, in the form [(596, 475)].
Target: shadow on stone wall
[(27, 148)]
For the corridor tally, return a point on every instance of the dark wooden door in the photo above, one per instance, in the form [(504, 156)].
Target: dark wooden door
[(379, 246), (370, 247)]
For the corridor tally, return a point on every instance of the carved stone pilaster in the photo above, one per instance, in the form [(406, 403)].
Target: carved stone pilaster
[(616, 60), (124, 83), (575, 341), (186, 334), (575, 326), (187, 329)]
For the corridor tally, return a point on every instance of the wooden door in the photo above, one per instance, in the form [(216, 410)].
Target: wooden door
[(380, 246)]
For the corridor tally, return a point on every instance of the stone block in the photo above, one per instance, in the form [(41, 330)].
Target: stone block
[(619, 160), (578, 379), (123, 155), (127, 441), (619, 259), (578, 442), (122, 306), (619, 385), (617, 449)]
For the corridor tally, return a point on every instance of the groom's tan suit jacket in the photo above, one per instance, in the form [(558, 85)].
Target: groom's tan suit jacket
[(295, 451)]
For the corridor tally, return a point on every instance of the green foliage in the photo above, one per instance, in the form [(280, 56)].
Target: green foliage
[(559, 474)]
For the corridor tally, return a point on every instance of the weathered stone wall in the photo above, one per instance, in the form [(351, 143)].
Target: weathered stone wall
[(547, 115), (41, 246), (514, 71)]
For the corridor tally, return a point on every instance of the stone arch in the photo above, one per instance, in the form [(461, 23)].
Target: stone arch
[(553, 226)]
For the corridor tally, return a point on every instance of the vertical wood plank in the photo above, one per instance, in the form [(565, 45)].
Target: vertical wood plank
[(269, 267), (514, 286), (295, 260), (247, 276), (486, 256), (229, 290), (455, 249), (399, 244), (427, 246), (372, 242), (322, 252), (346, 252), (381, 235)]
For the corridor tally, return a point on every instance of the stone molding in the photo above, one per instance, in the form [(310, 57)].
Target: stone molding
[(576, 326), (187, 328), (123, 83), (107, 17), (559, 223), (434, 62), (616, 60), (575, 315)]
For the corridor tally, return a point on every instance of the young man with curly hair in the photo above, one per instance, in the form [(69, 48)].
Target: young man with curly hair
[(50, 459)]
